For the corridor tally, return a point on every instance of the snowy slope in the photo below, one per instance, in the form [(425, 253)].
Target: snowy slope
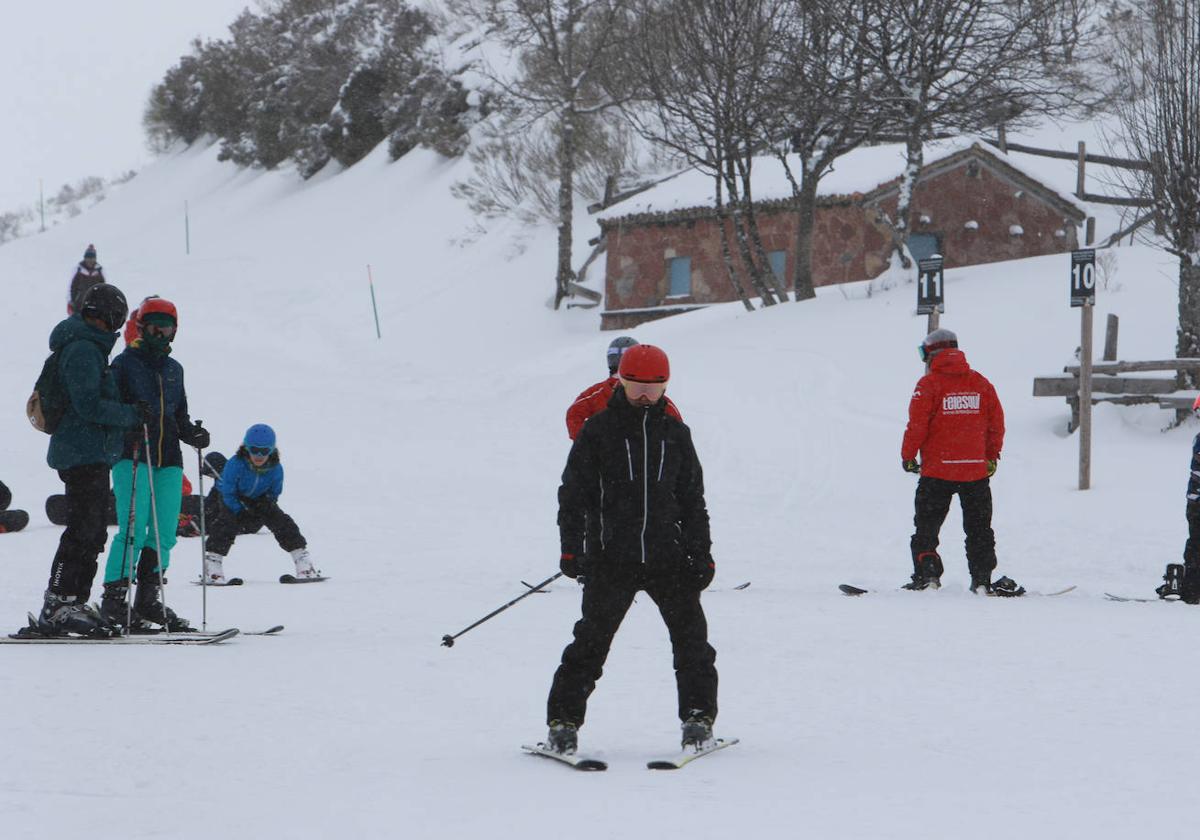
[(423, 469)]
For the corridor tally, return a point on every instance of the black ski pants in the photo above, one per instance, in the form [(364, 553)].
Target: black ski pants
[(224, 526), (74, 566), (1191, 550), (933, 503), (605, 603)]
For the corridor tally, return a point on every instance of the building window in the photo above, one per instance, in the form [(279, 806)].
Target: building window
[(778, 261), (679, 275), (924, 245)]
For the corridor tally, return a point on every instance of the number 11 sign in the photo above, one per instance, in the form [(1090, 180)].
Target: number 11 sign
[(929, 286)]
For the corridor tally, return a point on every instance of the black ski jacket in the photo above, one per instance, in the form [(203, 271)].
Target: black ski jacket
[(634, 473)]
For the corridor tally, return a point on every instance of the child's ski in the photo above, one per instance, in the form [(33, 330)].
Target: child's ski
[(689, 755), (579, 762)]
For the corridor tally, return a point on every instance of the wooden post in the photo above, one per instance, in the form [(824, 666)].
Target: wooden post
[(1110, 338), (935, 318), (1089, 230), (1002, 137), (1081, 163), (1085, 397)]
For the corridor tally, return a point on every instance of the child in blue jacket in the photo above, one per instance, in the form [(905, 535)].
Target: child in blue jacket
[(248, 493)]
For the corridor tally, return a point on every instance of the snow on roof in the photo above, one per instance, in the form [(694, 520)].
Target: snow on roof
[(858, 171)]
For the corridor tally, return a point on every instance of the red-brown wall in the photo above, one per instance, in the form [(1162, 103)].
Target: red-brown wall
[(850, 239)]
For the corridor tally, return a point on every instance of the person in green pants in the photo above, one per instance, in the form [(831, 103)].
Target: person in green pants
[(146, 375)]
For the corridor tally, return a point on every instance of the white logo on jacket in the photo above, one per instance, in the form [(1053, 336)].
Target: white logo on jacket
[(961, 403)]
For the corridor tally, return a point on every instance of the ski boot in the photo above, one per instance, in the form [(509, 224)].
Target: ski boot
[(1173, 583), (149, 609), (563, 737), (63, 614), (1001, 587), (927, 572), (304, 566), (697, 730), (214, 571), (114, 607)]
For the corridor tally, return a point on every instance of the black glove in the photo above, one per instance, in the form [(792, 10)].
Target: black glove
[(199, 437), (574, 566), (911, 465), (258, 505), (698, 572)]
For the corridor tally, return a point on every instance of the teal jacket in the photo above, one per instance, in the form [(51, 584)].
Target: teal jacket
[(93, 429)]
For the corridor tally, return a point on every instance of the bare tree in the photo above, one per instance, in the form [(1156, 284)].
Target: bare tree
[(962, 65), (702, 89), (1159, 61), (561, 46), (824, 97)]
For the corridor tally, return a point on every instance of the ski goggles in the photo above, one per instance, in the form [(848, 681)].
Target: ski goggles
[(260, 451), (159, 330), (637, 390)]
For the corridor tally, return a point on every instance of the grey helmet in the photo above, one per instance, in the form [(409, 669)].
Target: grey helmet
[(615, 349)]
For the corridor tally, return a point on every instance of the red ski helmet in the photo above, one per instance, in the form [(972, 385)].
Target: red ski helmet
[(155, 304), (644, 363), (1196, 407)]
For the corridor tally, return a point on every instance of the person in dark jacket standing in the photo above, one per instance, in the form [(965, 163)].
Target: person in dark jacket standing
[(145, 373), (85, 444), (88, 273), (633, 470), (1182, 580), (956, 425)]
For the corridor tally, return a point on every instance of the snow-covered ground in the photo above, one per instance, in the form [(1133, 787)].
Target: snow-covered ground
[(423, 468)]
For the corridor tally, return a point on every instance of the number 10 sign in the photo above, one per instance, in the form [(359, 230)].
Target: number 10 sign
[(1083, 277)]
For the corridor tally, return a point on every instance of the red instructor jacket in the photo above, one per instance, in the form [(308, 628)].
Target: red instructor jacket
[(955, 421)]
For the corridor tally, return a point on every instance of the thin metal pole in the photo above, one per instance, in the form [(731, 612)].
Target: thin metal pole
[(374, 308), (203, 541), (448, 640), (42, 203), (162, 590), (130, 523)]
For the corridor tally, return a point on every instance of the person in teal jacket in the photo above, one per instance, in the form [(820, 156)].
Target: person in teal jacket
[(87, 441), (146, 373)]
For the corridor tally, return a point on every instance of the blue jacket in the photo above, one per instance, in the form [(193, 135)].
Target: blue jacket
[(91, 430), (158, 380), (242, 480)]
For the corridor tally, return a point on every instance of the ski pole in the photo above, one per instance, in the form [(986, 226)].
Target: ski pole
[(162, 592), (448, 640), (203, 538), (130, 523)]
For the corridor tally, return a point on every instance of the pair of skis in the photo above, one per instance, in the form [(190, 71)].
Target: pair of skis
[(237, 581), (30, 635), (671, 762)]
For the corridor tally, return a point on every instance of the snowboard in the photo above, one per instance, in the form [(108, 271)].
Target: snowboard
[(847, 589), (56, 509), (13, 520), (579, 762)]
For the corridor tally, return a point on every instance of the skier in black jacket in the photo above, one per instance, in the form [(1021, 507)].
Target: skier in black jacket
[(634, 471)]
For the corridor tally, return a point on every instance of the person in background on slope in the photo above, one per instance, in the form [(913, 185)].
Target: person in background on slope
[(633, 469), (1182, 580), (85, 444), (595, 399), (146, 374), (248, 496), (88, 273), (956, 424)]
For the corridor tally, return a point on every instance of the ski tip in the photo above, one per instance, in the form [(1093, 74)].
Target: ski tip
[(294, 579), (745, 585), (847, 589)]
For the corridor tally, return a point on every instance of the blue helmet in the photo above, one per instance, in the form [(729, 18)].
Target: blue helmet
[(260, 434)]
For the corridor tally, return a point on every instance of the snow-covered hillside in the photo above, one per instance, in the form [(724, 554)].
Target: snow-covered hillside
[(423, 468)]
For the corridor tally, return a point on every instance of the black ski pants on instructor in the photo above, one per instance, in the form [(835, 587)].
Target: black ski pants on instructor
[(605, 603), (933, 503)]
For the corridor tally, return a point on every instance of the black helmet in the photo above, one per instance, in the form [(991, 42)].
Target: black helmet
[(106, 302), (615, 349)]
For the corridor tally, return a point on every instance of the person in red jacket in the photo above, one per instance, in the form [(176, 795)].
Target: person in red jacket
[(595, 399), (956, 425)]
